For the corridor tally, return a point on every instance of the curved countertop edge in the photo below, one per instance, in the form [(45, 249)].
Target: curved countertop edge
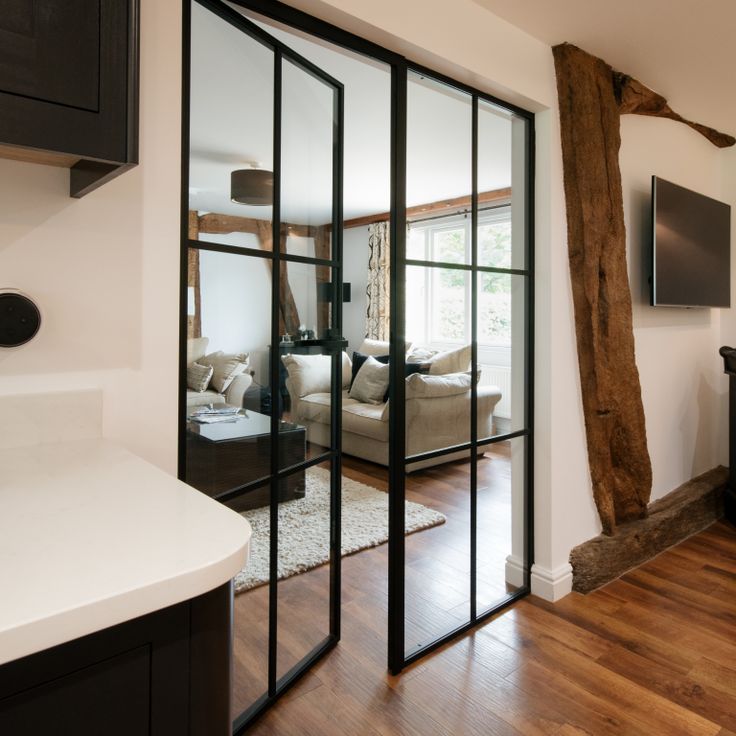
[(57, 626)]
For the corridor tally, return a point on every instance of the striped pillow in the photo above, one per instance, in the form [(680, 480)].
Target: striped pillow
[(198, 376)]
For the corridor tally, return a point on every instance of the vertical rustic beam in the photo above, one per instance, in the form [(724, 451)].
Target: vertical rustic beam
[(194, 321), (323, 275), (614, 416), (288, 312)]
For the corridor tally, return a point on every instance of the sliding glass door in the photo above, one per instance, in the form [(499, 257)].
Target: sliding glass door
[(262, 254), (462, 296)]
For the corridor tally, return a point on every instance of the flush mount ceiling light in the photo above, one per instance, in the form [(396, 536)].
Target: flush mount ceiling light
[(251, 186)]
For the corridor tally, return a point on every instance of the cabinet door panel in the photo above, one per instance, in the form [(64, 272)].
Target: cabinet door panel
[(110, 697), (50, 51)]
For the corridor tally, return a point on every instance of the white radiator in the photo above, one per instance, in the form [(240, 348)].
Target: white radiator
[(498, 375)]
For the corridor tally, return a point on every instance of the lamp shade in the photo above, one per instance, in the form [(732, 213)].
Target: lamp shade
[(251, 186)]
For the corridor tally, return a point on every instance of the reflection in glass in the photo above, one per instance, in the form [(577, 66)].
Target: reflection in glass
[(502, 350), (307, 149), (304, 544), (501, 183), (231, 129), (501, 555)]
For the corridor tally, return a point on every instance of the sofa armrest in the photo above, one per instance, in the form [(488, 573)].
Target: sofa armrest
[(236, 390)]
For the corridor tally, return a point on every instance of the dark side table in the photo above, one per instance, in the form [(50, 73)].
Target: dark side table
[(227, 455)]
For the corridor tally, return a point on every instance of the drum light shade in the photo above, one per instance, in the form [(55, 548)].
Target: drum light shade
[(251, 186)]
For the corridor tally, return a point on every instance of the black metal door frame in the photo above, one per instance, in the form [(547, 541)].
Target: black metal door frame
[(332, 345), (400, 67)]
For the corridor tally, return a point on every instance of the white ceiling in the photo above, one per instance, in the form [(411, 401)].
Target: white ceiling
[(231, 125), (683, 49)]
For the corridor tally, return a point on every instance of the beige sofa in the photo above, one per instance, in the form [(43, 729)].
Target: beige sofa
[(233, 394), (437, 412)]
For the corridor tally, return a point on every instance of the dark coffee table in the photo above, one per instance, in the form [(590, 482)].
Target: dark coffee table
[(226, 455)]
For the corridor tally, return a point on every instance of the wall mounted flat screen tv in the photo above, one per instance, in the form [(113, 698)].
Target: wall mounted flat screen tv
[(691, 253)]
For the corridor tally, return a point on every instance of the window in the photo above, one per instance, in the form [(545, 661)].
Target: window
[(438, 299)]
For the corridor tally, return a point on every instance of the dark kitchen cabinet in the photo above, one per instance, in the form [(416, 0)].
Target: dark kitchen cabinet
[(69, 86), (163, 674)]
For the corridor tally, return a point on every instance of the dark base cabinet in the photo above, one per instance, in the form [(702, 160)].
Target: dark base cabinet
[(167, 673)]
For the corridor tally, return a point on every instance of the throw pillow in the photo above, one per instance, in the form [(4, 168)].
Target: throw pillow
[(198, 376), (371, 382), (308, 374), (420, 355), (359, 359), (451, 361), (409, 370), (226, 368)]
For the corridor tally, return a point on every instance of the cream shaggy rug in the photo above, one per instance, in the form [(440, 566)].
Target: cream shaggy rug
[(304, 527)]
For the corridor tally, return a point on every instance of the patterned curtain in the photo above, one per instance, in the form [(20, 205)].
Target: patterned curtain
[(379, 280)]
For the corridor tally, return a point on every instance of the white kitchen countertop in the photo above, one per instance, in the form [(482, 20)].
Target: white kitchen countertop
[(92, 535)]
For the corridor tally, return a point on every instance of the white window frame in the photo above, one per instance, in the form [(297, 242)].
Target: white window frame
[(430, 228)]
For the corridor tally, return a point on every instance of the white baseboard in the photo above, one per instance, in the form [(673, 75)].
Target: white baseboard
[(515, 571), (552, 584)]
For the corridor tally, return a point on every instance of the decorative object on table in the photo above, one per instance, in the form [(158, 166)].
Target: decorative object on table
[(364, 525), (20, 318)]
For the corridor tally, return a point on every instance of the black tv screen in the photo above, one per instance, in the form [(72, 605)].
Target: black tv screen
[(691, 252)]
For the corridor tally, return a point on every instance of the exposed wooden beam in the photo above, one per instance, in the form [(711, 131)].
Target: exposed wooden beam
[(217, 224), (620, 468), (434, 208), (633, 97), (194, 321)]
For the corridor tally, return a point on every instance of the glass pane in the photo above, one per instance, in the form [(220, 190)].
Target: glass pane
[(307, 373), (307, 149), (228, 393), (437, 570), (501, 553), (231, 130), (439, 172), (250, 609), (228, 429), (501, 187), (303, 565), (501, 353)]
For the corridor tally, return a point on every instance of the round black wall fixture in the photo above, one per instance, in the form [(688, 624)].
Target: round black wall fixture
[(19, 319)]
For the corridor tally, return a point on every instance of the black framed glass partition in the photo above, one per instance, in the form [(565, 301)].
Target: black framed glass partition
[(262, 261), (464, 289)]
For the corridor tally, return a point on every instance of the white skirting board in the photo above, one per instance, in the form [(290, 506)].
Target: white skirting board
[(551, 585), (515, 571)]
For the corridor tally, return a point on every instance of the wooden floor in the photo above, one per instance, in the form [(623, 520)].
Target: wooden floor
[(437, 573), (652, 653)]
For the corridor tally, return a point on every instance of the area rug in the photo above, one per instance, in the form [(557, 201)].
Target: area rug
[(304, 527)]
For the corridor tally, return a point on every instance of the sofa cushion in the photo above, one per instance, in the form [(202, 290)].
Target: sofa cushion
[(226, 367), (420, 385), (451, 361), (309, 374), (366, 420), (196, 348), (316, 407), (198, 376), (371, 382)]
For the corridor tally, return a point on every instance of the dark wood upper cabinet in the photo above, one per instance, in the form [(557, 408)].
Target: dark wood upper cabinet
[(69, 86)]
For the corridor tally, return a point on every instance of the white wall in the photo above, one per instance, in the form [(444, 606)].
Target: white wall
[(105, 269), (236, 306), (355, 270)]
